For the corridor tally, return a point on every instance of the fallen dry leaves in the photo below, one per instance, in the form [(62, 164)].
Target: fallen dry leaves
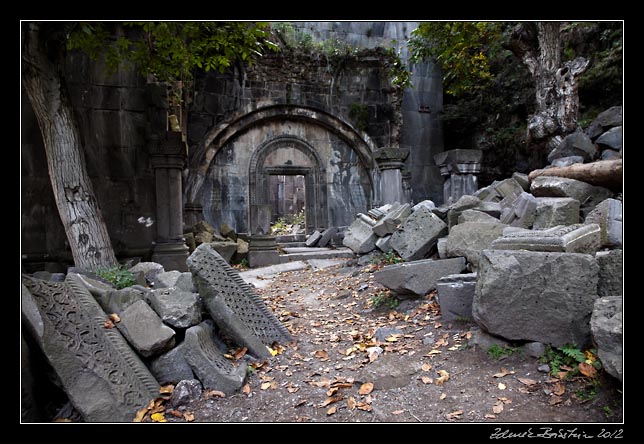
[(366, 388)]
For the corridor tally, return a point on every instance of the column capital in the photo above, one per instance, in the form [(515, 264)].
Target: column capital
[(389, 158), (168, 151), (459, 161)]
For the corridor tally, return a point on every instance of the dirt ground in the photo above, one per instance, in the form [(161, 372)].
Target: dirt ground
[(424, 371)]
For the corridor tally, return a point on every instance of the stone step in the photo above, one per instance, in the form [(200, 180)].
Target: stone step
[(316, 253), (283, 245), (290, 238)]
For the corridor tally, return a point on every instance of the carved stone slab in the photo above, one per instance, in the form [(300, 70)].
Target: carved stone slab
[(104, 379), (233, 305), (576, 238)]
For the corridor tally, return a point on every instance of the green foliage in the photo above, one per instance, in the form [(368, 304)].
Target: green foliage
[(398, 73), (359, 115), (496, 351), (391, 257), (284, 225), (462, 49), (118, 276), (608, 412), (384, 298), (568, 356)]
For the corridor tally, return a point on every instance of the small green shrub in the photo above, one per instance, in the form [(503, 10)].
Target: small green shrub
[(496, 351), (384, 299), (117, 276), (568, 356)]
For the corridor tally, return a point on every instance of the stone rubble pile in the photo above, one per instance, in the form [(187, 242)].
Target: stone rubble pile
[(533, 261)]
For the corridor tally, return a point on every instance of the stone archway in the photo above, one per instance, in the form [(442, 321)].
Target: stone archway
[(279, 156)]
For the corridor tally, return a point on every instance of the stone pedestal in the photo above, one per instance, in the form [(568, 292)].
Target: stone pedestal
[(390, 161), (262, 251), (460, 168), (168, 157)]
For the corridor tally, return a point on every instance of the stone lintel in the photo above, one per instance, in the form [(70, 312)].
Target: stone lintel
[(576, 238)]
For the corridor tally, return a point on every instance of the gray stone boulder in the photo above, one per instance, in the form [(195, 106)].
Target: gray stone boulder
[(476, 216), (608, 214), (384, 243), (611, 139), (429, 204), (522, 212), (360, 237), (184, 392), (574, 144), (144, 330), (228, 232), (327, 236), (567, 161), (464, 203), (607, 327), (611, 271), (208, 363), (587, 195), (536, 296), (579, 238), (166, 279), (418, 277), (609, 154), (116, 301), (509, 190), (390, 221), (455, 296), (171, 366), (177, 308), (417, 235), (226, 249), (470, 238), (313, 239), (148, 269), (605, 120), (553, 211), (522, 179)]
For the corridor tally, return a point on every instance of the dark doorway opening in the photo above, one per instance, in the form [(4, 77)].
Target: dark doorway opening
[(287, 197)]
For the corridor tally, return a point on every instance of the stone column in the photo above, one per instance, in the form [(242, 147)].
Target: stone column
[(460, 168), (168, 158), (390, 162)]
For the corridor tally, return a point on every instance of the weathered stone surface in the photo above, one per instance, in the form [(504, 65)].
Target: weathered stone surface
[(360, 237), (574, 144), (166, 279), (184, 282), (605, 120), (103, 377), (384, 243), (608, 214), (203, 227), (177, 308), (587, 195), (607, 327), (508, 190), (366, 219), (441, 246), (553, 211), (418, 277), (390, 221), (389, 371), (455, 296), (226, 249), (116, 301), (233, 305), (184, 392), (484, 340), (476, 216), (429, 204), (262, 251), (208, 363), (611, 139), (522, 179), (228, 232), (149, 269), (313, 239), (326, 237), (203, 237), (171, 367), (470, 238), (578, 238), (466, 202), (379, 213), (609, 154), (567, 161), (611, 272), (418, 234), (242, 246), (534, 349), (144, 330), (536, 296), (522, 212), (488, 193)]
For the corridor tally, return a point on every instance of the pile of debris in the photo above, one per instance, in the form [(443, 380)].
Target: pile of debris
[(534, 259)]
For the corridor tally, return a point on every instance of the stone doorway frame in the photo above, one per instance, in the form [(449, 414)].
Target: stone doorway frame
[(314, 178)]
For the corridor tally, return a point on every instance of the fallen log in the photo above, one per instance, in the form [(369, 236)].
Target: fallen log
[(606, 173)]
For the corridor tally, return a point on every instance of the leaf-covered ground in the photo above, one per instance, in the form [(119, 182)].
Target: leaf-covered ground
[(353, 362)]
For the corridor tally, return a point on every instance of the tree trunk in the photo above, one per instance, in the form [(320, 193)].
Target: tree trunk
[(539, 46), (42, 62), (606, 173)]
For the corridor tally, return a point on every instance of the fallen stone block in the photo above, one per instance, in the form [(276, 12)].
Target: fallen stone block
[(116, 301), (184, 392), (327, 236), (177, 308), (226, 249), (466, 202), (488, 193), (418, 277), (441, 246), (607, 327), (429, 204), (509, 190), (611, 272), (605, 120), (587, 195), (536, 296), (418, 234), (522, 212), (388, 224), (104, 379), (144, 330), (455, 296), (554, 211), (608, 214), (233, 305), (166, 279), (209, 364), (313, 239), (476, 216), (469, 239), (360, 237), (522, 179), (567, 161), (149, 270), (171, 367), (578, 238), (574, 144), (380, 212), (366, 219), (611, 139), (384, 243), (228, 232)]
